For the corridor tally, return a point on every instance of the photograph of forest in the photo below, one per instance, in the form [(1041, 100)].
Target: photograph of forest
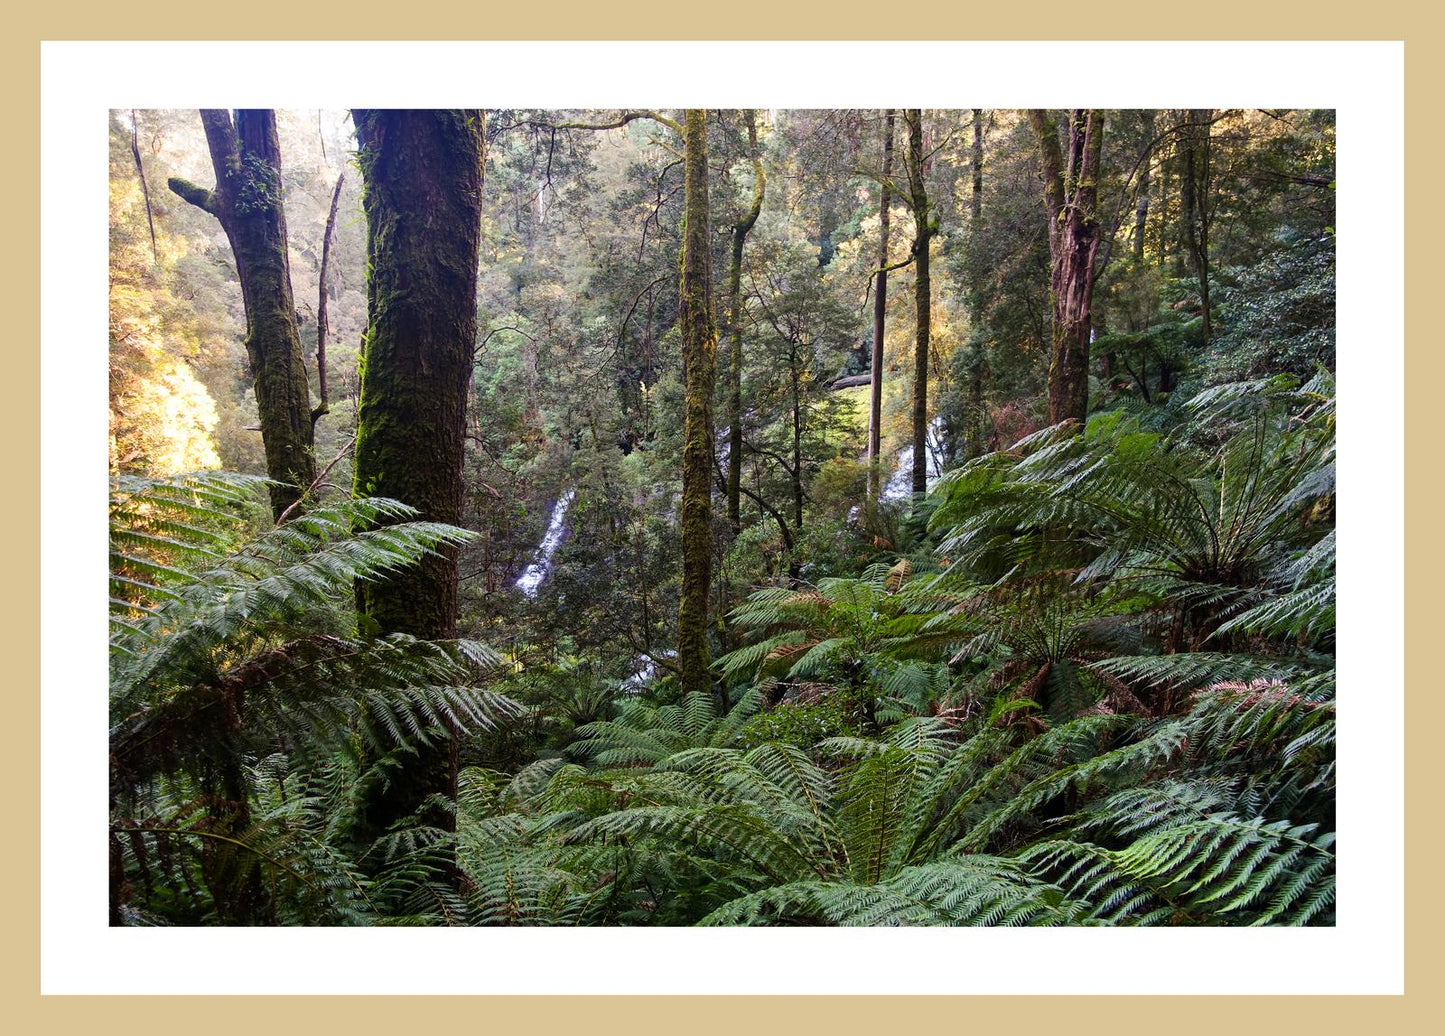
[(722, 517)]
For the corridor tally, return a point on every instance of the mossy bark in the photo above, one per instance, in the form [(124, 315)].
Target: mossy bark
[(1141, 206), (246, 156), (1194, 198), (1070, 197), (880, 315), (699, 365), (422, 195), (735, 329), (922, 296)]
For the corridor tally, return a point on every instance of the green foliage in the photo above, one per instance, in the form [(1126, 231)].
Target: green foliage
[(1191, 530), (644, 734), (804, 725), (1282, 315), (1088, 680), (1222, 816), (241, 706)]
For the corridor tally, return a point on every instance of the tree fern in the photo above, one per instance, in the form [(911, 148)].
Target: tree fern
[(236, 687)]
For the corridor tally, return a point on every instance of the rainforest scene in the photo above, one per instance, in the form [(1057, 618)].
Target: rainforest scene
[(759, 517)]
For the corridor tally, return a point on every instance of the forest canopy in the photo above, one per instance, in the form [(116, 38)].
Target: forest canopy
[(728, 517)]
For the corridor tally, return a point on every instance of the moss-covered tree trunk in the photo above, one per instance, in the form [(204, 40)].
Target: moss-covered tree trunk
[(246, 155), (699, 364), (735, 328), (1141, 207), (422, 194), (922, 296), (1070, 196), (1194, 197), (880, 316)]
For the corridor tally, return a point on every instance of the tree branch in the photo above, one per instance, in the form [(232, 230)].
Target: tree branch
[(622, 120), (777, 517), (195, 194)]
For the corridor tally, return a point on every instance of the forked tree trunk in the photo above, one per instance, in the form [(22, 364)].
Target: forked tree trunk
[(422, 173), (246, 156), (699, 367), (1070, 196)]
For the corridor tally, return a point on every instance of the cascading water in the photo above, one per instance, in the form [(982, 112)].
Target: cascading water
[(900, 484), (541, 566)]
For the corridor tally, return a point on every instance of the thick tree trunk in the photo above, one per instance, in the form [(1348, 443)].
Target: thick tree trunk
[(247, 201), (699, 366), (1070, 196), (735, 330), (922, 297), (880, 315), (423, 202)]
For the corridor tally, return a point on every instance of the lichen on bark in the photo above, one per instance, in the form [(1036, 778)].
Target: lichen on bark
[(699, 363)]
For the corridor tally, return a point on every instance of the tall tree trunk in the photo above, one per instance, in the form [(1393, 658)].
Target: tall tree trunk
[(699, 367), (880, 316), (923, 304), (422, 195), (978, 365), (1195, 145), (1141, 208), (145, 189), (1070, 196), (975, 204), (735, 329), (796, 374), (246, 157), (324, 405), (1166, 212), (1141, 213)]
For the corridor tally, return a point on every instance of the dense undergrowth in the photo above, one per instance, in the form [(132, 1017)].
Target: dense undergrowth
[(1094, 687)]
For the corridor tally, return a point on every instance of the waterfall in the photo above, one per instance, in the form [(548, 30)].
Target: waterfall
[(541, 566), (644, 671), (900, 484)]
